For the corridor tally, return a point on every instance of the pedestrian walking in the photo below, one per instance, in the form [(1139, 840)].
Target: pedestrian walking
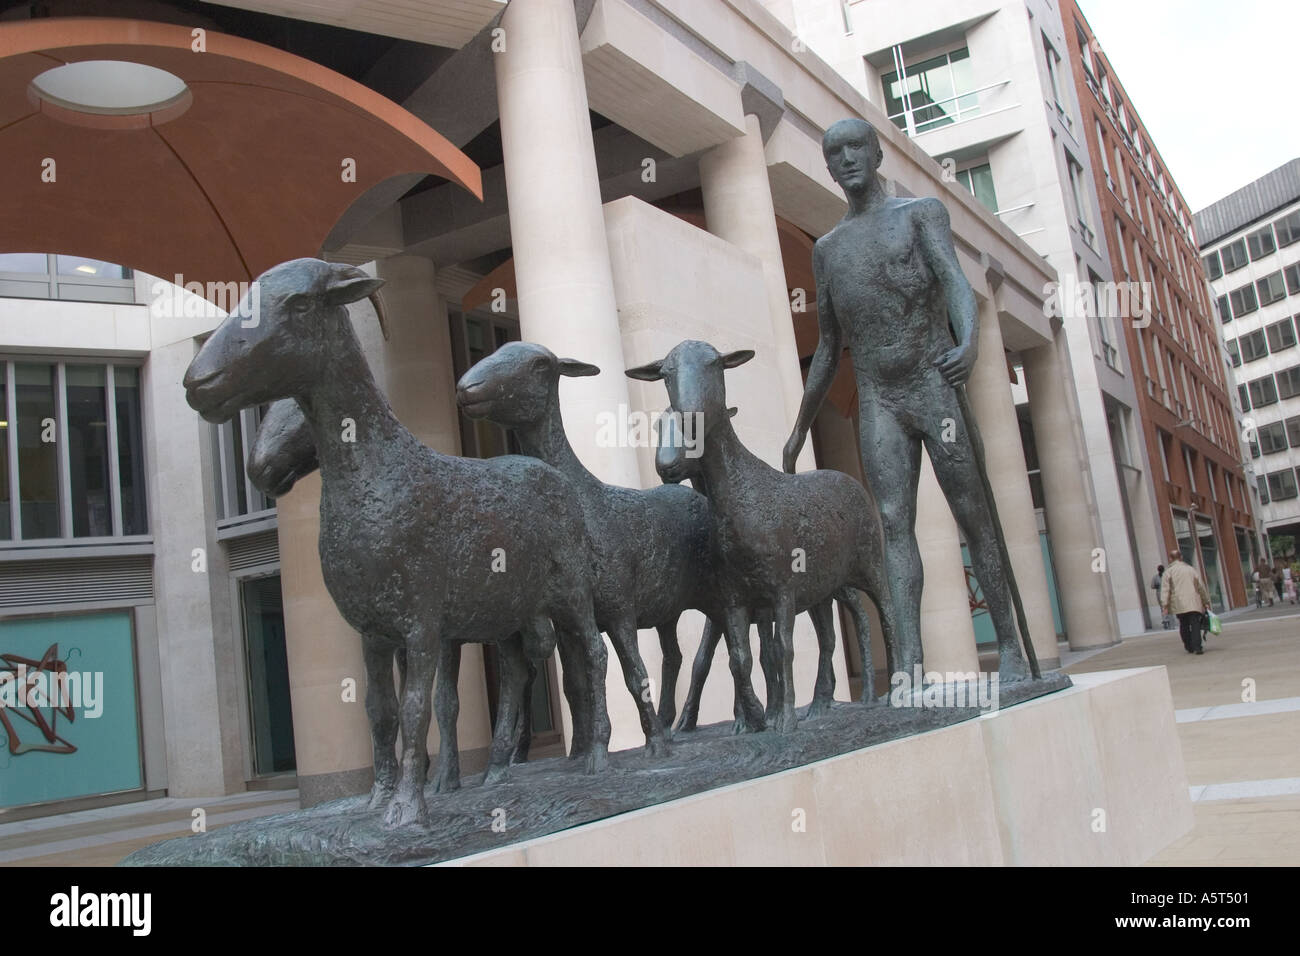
[(1182, 592), (1288, 584), (1266, 582), (1166, 622)]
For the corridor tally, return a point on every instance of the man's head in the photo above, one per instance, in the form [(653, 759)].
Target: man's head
[(1175, 555), (852, 152)]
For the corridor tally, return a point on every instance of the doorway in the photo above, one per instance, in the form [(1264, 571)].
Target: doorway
[(266, 665)]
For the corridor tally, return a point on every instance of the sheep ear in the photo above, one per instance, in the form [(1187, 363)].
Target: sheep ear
[(732, 411), (349, 284), (651, 372), (575, 369), (732, 359)]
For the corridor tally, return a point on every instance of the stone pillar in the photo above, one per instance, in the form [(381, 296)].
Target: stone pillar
[(1086, 602), (557, 227), (947, 634), (420, 381), (738, 208), (989, 390)]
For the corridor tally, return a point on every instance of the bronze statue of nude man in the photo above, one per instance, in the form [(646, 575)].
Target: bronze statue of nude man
[(888, 287)]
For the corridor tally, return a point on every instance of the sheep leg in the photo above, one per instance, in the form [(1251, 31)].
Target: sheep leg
[(786, 721), (446, 706), (770, 662), (578, 619), (407, 803), (713, 632), (514, 674), (862, 625), (824, 690), (575, 692), (623, 634), (672, 666), (742, 665), (538, 644), (381, 712)]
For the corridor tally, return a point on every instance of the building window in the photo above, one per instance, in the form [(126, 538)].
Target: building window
[(1213, 267), (1281, 335), (1288, 382), (1234, 352), (1253, 347), (238, 500), (1292, 276), (1080, 193), (1243, 301), (73, 452), (1223, 308), (1260, 243), (1262, 391), (1191, 472), (1234, 255), (1282, 485), (937, 92), (1288, 228), (1243, 393), (1262, 484), (1293, 431), (978, 181), (27, 275), (1054, 80), (1272, 438), (1271, 288)]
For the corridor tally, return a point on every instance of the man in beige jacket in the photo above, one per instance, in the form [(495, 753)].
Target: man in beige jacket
[(1182, 592)]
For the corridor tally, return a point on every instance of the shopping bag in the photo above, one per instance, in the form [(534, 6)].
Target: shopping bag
[(1215, 624)]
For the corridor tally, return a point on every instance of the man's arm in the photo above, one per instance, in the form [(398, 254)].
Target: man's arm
[(1165, 588), (825, 361), (935, 234)]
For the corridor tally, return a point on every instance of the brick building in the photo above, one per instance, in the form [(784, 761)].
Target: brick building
[(1206, 501)]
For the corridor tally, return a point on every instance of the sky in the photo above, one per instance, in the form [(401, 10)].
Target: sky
[(1216, 84)]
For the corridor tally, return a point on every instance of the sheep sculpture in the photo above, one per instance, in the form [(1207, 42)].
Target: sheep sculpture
[(417, 548), (650, 546), (784, 543)]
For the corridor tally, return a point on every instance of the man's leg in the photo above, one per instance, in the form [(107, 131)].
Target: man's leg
[(958, 474), (891, 461)]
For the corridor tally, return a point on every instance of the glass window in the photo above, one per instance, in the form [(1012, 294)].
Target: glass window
[(937, 92), (1213, 268), (1288, 382), (978, 181), (1243, 393), (1224, 309), (82, 267), (36, 263), (1282, 485), (1293, 431), (1234, 352), (1253, 346), (1262, 391), (130, 450), (1281, 335), (1260, 243), (1262, 484), (6, 500), (1271, 288), (237, 497), (88, 453), (38, 464), (64, 417), (1272, 438), (1292, 274), (1243, 301), (1288, 228), (1234, 255)]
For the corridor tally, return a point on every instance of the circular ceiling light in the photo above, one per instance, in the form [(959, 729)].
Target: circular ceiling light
[(107, 91)]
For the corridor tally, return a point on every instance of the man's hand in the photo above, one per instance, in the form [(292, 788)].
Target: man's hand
[(791, 452), (956, 364)]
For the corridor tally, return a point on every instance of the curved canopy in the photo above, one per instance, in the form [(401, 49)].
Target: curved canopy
[(252, 167)]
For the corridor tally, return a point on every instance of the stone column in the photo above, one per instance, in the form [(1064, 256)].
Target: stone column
[(1086, 601), (420, 381), (989, 390), (738, 208), (557, 228)]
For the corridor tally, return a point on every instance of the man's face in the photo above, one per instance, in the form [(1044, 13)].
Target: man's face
[(851, 156)]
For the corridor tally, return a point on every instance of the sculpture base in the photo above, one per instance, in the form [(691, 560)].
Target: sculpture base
[(726, 777)]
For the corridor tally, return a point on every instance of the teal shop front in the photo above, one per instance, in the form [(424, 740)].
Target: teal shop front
[(69, 711)]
